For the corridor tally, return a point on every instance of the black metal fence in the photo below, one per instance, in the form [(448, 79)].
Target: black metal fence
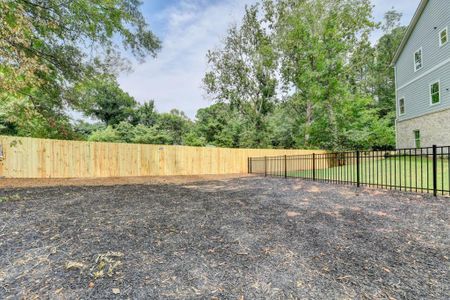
[(421, 170)]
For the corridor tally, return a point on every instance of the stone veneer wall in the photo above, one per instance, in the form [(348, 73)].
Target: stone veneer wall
[(434, 130)]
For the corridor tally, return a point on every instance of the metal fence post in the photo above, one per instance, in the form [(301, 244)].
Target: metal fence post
[(285, 166), (265, 166), (358, 171), (314, 166), (435, 170)]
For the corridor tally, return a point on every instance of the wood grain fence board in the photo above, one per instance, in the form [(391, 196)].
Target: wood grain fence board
[(44, 158)]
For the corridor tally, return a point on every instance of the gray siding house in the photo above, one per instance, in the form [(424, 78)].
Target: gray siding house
[(422, 76)]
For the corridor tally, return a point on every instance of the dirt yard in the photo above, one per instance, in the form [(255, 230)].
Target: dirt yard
[(244, 238)]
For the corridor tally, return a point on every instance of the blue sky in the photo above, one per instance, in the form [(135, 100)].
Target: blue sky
[(188, 28)]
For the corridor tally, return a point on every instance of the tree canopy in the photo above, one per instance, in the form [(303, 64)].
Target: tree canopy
[(290, 74), (46, 47)]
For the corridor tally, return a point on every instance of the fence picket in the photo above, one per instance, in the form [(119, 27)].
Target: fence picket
[(381, 169)]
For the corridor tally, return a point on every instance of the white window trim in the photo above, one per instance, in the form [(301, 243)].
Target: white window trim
[(399, 106), (431, 95), (440, 39), (421, 62)]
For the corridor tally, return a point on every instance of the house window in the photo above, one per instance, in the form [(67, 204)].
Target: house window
[(417, 138), (443, 37), (418, 60), (435, 93), (401, 106)]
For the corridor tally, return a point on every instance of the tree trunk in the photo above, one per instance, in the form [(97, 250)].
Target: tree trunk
[(309, 120)]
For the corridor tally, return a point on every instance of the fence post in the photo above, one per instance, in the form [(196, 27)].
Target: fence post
[(358, 171), (285, 166), (249, 165), (435, 170), (314, 166), (265, 166)]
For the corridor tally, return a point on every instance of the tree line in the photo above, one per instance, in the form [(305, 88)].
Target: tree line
[(291, 74)]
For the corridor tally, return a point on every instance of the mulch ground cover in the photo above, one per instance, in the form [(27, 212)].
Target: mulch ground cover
[(247, 238)]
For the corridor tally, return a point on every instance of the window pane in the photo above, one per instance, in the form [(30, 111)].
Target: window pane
[(435, 88), (418, 59), (417, 138), (402, 106), (435, 96), (444, 37)]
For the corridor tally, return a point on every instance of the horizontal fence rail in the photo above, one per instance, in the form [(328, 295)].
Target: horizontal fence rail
[(421, 170)]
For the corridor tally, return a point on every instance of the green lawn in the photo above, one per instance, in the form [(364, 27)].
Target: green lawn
[(405, 172)]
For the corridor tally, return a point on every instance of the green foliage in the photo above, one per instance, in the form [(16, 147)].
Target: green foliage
[(17, 117), (294, 74), (103, 99), (338, 88), (85, 129), (383, 73), (192, 138), (315, 38), (145, 114), (170, 128), (109, 134), (151, 135), (362, 127), (242, 74), (283, 128), (47, 47), (213, 125), (175, 125)]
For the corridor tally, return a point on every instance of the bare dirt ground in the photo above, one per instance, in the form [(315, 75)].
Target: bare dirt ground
[(52, 182), (245, 238)]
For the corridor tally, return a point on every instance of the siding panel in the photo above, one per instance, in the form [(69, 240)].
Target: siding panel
[(417, 95), (435, 17), (436, 14)]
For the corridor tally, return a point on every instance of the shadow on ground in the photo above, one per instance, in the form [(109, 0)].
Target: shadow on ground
[(247, 238)]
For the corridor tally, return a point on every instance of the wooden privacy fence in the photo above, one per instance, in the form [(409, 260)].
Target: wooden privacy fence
[(43, 158)]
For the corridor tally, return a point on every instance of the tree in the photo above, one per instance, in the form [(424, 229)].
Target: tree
[(242, 73), (315, 40), (103, 99), (145, 114), (383, 74), (283, 127), (46, 47), (174, 124), (19, 118), (109, 134), (151, 135), (212, 121), (55, 39), (84, 129)]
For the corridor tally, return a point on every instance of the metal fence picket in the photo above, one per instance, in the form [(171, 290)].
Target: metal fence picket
[(425, 170)]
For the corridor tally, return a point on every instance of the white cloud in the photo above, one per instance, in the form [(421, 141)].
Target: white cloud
[(193, 27), (173, 80)]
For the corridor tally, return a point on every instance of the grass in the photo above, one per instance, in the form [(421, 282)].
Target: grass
[(14, 197), (409, 173)]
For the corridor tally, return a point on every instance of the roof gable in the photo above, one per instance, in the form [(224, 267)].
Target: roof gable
[(410, 29)]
